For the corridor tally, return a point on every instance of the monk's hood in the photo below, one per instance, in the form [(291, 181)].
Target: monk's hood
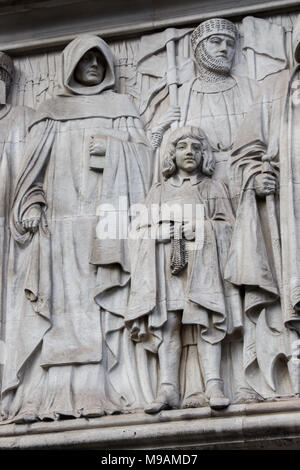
[(72, 54)]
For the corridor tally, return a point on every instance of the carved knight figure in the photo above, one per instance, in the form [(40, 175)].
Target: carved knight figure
[(14, 121), (216, 100), (86, 129), (264, 256), (213, 99), (178, 280)]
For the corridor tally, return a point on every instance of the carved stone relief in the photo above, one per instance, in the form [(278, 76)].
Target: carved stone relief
[(183, 281), (110, 305), (13, 128)]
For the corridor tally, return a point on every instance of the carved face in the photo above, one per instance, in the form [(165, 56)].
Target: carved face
[(188, 156), (90, 70), (220, 46), (216, 53)]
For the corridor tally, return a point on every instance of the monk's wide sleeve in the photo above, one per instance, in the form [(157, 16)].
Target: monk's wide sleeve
[(126, 181), (29, 185)]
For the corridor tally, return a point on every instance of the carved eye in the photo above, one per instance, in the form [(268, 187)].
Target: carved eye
[(180, 144), (215, 40)]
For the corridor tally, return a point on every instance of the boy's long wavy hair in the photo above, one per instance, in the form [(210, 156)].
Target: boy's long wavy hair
[(169, 164)]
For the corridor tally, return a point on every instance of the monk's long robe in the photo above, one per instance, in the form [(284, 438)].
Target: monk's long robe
[(73, 267)]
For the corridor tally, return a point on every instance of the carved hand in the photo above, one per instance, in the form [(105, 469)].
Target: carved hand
[(97, 145), (32, 218), (189, 231), (165, 232), (172, 115), (265, 184)]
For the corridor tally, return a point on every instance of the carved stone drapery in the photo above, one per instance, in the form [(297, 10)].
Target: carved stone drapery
[(70, 353)]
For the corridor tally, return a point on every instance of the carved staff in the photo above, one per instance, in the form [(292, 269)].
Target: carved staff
[(172, 73)]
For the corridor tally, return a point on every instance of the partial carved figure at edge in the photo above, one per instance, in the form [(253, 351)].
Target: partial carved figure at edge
[(264, 255)]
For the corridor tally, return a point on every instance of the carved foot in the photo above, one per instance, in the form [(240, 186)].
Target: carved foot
[(197, 400), (156, 406), (24, 418), (167, 398), (215, 394), (93, 414), (246, 395)]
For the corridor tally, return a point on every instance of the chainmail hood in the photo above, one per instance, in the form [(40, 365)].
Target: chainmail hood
[(210, 27), (212, 67)]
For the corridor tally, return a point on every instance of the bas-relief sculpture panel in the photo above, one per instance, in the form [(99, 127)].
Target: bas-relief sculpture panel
[(94, 323)]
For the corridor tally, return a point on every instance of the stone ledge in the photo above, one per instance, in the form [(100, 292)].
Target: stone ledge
[(27, 28), (268, 425)]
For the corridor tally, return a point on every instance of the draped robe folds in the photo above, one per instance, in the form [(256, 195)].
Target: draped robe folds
[(208, 302), (219, 109), (270, 128), (67, 269), (14, 121)]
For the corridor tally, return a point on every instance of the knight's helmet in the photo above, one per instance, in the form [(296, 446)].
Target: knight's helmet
[(209, 28)]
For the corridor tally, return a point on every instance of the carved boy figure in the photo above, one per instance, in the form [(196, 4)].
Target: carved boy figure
[(173, 284), (217, 101)]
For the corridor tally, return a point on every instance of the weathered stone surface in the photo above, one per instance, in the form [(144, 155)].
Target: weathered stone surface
[(109, 304), (35, 25), (261, 426)]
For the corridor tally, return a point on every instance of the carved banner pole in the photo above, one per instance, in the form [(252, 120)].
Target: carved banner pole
[(172, 73)]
